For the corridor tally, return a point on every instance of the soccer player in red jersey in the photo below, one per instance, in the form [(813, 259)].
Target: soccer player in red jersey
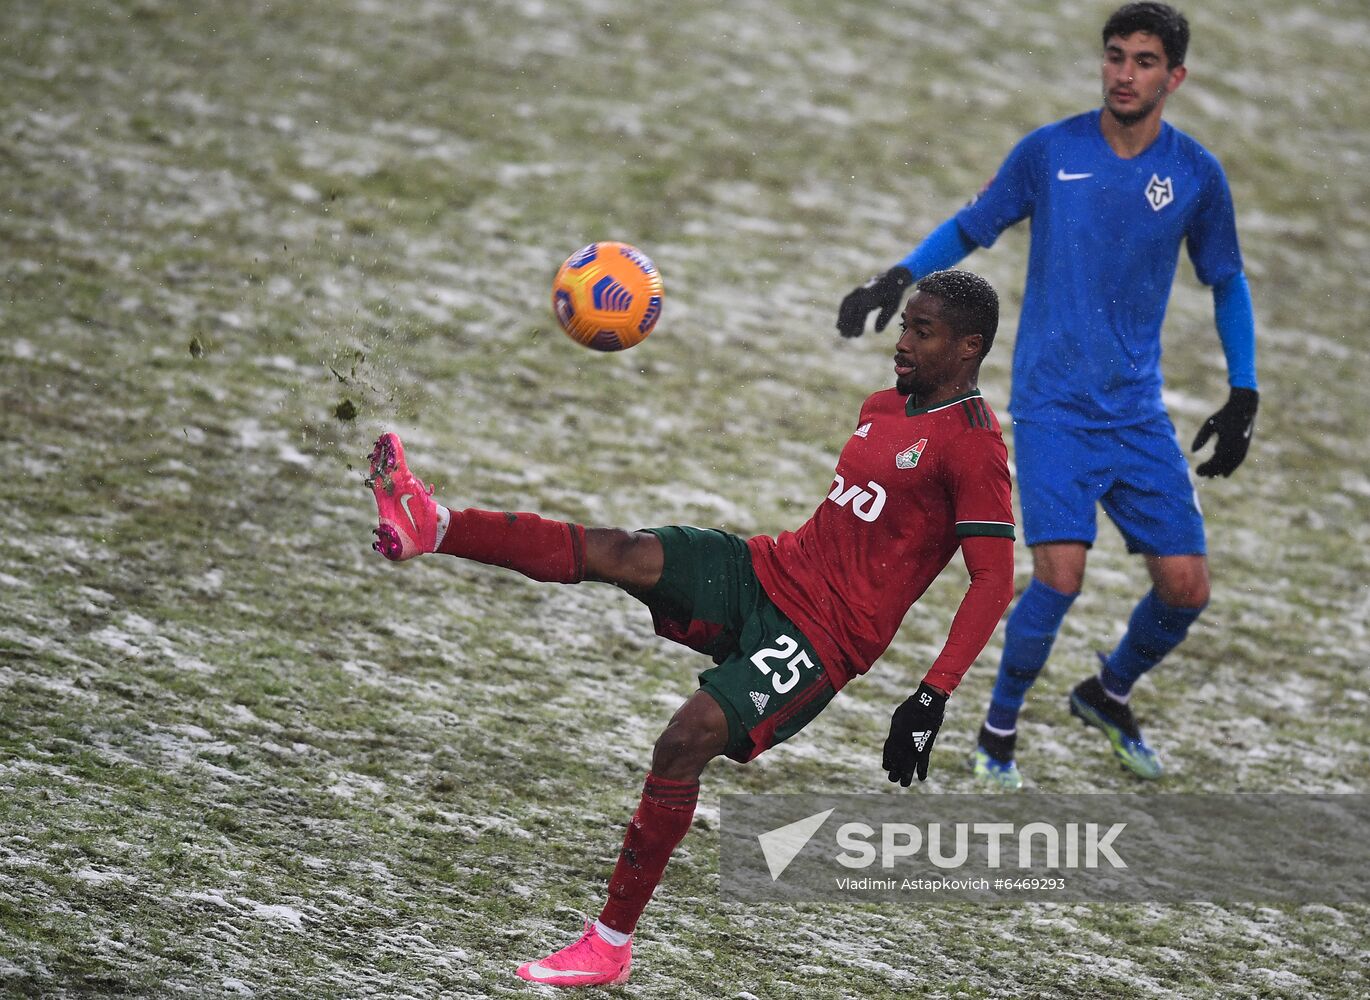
[(788, 620)]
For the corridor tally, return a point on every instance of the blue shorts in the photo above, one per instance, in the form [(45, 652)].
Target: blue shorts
[(1138, 473)]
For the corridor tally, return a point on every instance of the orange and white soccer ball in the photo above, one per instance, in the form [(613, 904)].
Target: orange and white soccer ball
[(607, 296)]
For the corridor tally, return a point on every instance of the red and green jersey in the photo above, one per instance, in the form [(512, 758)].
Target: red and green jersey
[(909, 485)]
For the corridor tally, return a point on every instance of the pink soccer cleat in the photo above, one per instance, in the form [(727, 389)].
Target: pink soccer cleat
[(409, 517), (591, 961)]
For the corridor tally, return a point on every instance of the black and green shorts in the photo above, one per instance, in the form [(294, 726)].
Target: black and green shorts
[(768, 679)]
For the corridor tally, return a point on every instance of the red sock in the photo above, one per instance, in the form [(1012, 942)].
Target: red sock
[(660, 823), (550, 551)]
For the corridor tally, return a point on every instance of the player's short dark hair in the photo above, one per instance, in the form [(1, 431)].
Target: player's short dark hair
[(1159, 19), (969, 303)]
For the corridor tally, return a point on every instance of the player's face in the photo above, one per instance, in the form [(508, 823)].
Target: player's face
[(1136, 79), (930, 359)]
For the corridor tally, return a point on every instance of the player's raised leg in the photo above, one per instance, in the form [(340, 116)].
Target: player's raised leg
[(412, 523), (603, 954)]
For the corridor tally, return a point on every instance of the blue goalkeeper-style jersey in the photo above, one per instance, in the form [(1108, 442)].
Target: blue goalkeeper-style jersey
[(1106, 236)]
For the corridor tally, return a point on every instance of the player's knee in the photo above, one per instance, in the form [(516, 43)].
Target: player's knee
[(692, 739), (1183, 583), (1190, 592), (630, 559), (1063, 579), (679, 753), (1060, 565), (609, 550)]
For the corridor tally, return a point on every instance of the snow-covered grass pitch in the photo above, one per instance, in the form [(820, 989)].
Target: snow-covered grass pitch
[(241, 755)]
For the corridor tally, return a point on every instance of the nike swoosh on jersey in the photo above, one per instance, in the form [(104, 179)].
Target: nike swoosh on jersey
[(404, 502), (1061, 175), (542, 972)]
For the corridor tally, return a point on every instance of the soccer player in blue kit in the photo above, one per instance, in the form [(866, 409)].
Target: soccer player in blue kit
[(1111, 194)]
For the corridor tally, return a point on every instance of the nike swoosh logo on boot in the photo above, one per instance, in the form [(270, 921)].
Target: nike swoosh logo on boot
[(542, 972), (404, 502)]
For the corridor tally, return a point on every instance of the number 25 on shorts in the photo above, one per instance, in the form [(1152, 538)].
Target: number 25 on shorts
[(786, 652)]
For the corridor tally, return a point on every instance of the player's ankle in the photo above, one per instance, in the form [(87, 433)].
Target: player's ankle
[(616, 938)]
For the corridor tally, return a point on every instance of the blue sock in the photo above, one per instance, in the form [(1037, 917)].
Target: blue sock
[(1154, 630), (1028, 637)]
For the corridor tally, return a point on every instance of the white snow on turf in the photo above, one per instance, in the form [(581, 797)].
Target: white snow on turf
[(289, 917)]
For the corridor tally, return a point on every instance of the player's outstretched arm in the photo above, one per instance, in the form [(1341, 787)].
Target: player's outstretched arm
[(913, 729), (944, 247)]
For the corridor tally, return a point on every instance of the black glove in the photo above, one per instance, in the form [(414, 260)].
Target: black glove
[(912, 732), (883, 292), (1233, 425)]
